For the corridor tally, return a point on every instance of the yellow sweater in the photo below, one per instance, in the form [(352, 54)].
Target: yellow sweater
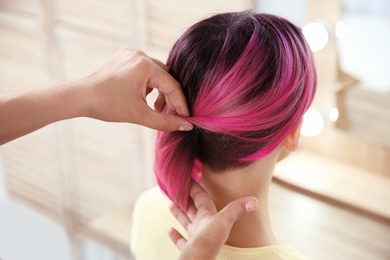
[(150, 241)]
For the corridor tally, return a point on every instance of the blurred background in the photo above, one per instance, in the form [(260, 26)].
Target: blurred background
[(67, 190)]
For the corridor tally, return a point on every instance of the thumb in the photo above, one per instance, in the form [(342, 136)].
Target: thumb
[(162, 122), (234, 210)]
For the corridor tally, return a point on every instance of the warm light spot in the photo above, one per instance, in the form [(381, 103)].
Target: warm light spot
[(313, 123), (316, 35), (333, 114), (340, 29)]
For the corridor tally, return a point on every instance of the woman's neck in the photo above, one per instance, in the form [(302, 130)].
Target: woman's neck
[(253, 229)]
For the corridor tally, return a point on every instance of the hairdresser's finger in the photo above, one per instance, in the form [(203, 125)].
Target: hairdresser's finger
[(162, 122), (180, 216), (171, 106), (168, 102), (202, 200), (177, 238), (233, 211), (161, 64), (191, 212), (159, 104), (171, 89), (148, 90)]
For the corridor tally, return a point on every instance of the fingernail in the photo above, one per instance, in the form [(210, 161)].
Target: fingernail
[(251, 205), (185, 127)]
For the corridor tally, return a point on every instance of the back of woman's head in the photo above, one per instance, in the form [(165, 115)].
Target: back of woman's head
[(248, 79)]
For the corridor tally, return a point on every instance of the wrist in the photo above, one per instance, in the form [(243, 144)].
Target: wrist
[(80, 98), (66, 98)]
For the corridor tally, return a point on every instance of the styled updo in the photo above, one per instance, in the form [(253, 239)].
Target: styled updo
[(248, 79)]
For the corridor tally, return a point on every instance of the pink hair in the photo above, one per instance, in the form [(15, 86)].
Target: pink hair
[(248, 79)]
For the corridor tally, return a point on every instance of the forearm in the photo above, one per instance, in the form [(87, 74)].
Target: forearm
[(26, 111), (115, 92)]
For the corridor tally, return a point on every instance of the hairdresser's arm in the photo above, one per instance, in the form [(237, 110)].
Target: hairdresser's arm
[(115, 92), (208, 229)]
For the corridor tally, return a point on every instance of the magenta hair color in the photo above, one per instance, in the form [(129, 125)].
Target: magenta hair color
[(248, 79)]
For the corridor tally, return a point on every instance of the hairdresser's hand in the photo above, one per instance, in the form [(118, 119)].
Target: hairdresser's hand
[(208, 229), (119, 89), (115, 92)]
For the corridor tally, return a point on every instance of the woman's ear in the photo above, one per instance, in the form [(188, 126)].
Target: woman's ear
[(291, 142)]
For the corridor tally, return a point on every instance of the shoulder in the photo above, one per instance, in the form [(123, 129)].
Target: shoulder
[(151, 199), (151, 221)]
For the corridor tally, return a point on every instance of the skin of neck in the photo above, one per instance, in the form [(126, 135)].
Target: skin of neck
[(253, 229)]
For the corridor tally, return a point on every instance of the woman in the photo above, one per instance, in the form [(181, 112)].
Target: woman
[(248, 79)]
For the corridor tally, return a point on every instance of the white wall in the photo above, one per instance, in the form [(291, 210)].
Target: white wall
[(296, 11), (26, 235)]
